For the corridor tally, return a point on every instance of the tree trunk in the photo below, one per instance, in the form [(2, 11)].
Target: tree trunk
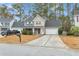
[(68, 9)]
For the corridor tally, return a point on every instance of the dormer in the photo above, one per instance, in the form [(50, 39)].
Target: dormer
[(28, 22)]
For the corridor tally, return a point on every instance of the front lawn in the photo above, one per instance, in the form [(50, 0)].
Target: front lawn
[(15, 39), (71, 41)]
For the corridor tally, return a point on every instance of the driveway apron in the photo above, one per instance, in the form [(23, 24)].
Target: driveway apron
[(40, 41)]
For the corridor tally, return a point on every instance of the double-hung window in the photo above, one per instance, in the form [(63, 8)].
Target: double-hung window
[(38, 22)]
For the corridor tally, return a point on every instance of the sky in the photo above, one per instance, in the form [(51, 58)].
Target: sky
[(28, 6)]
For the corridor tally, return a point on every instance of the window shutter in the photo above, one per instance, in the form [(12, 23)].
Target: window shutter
[(77, 19)]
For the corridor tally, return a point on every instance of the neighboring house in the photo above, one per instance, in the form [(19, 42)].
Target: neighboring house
[(76, 20), (38, 25), (6, 23)]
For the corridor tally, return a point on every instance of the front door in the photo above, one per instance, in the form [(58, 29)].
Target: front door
[(37, 30)]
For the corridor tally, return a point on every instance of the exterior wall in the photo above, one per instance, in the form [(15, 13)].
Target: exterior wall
[(39, 21), (76, 20), (42, 30)]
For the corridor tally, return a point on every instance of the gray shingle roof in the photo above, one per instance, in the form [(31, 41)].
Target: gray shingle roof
[(29, 18), (21, 23), (53, 23), (18, 24), (5, 19)]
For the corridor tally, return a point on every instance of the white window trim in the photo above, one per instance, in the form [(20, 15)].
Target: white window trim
[(27, 22)]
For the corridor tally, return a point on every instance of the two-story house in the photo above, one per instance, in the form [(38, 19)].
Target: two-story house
[(38, 25), (34, 24)]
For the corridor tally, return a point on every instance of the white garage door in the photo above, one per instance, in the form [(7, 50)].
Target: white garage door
[(51, 30)]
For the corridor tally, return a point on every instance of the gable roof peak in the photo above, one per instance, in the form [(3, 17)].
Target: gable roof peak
[(38, 15), (43, 17)]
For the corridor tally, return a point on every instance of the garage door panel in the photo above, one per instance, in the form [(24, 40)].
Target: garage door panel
[(51, 30)]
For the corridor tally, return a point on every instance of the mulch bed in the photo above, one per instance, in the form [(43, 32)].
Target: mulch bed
[(71, 41), (15, 39)]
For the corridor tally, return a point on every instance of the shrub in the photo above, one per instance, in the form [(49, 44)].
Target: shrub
[(70, 33), (74, 31), (30, 32), (60, 30), (26, 32)]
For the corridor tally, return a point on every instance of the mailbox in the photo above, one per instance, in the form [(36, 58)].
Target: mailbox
[(19, 35)]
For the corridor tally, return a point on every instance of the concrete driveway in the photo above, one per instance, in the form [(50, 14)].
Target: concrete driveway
[(48, 41), (47, 45)]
